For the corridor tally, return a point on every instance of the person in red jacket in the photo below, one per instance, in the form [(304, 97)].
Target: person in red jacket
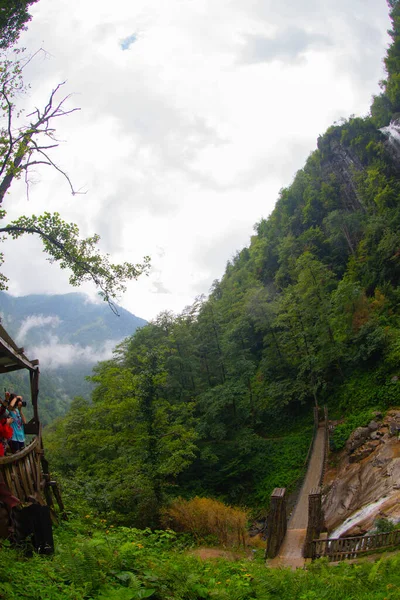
[(6, 432)]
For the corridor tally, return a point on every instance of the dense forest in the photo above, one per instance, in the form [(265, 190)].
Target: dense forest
[(217, 401)]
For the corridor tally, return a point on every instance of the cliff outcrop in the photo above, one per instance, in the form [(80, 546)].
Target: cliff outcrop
[(364, 485)]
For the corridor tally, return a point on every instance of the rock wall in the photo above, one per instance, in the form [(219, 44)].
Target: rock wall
[(368, 471)]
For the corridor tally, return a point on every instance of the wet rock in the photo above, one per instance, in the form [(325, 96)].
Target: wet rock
[(393, 427), (380, 462), (355, 531), (258, 527), (344, 164), (357, 438), (364, 451), (358, 484)]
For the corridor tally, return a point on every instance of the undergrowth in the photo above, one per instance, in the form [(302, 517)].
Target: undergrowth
[(95, 560), (203, 517), (343, 431)]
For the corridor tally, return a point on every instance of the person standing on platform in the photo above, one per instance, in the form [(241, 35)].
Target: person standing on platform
[(17, 441)]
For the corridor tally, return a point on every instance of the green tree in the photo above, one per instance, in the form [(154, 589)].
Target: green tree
[(13, 18), (27, 142)]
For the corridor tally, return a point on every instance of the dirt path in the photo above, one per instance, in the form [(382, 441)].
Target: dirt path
[(290, 554)]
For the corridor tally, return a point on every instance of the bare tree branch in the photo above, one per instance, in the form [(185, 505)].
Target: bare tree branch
[(21, 147)]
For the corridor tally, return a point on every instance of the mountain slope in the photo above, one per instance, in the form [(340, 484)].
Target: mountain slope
[(68, 333)]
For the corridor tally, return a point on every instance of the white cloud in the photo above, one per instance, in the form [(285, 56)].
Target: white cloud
[(35, 321), (54, 354), (185, 137)]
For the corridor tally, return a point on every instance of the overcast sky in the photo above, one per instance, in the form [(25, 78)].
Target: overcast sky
[(194, 113)]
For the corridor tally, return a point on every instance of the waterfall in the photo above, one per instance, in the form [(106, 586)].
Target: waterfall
[(357, 517), (392, 132)]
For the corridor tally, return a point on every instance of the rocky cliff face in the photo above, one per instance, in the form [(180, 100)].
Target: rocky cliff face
[(366, 478), (345, 164)]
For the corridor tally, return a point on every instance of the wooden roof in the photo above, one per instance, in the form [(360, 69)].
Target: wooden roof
[(13, 358)]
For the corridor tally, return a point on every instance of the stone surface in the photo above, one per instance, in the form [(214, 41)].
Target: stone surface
[(353, 485), (357, 438), (364, 451)]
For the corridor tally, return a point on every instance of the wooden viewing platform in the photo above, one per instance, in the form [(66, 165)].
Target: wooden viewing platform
[(26, 473)]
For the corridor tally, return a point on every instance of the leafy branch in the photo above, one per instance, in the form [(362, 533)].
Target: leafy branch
[(62, 243), (29, 145)]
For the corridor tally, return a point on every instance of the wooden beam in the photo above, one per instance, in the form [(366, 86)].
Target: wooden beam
[(9, 368), (8, 350)]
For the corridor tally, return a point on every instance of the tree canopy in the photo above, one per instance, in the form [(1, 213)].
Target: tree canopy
[(27, 141), (14, 16)]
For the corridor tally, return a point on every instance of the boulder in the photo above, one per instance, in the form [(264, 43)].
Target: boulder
[(364, 451), (373, 426), (357, 438), (393, 427)]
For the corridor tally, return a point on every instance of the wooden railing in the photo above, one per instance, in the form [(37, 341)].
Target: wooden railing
[(22, 473), (336, 549)]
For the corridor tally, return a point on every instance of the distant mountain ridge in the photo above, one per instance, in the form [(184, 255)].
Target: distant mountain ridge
[(68, 333), (77, 320)]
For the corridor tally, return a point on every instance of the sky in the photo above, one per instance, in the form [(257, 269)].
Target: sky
[(193, 115)]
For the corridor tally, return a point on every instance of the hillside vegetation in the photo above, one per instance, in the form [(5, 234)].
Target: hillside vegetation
[(217, 400), (94, 561)]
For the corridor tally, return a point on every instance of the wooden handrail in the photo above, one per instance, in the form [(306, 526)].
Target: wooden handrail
[(6, 460), (357, 537), (336, 549)]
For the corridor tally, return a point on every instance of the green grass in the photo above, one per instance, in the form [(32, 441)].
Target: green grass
[(95, 560)]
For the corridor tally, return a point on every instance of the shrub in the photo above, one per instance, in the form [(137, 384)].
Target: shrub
[(204, 517), (342, 431), (384, 525)]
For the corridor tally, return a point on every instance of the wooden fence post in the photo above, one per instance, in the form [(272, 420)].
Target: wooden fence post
[(315, 521), (316, 418), (326, 430), (276, 523)]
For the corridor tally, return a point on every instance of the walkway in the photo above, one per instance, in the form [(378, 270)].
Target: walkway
[(291, 552)]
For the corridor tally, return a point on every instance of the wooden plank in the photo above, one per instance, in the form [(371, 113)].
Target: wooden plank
[(6, 460), (31, 471), (24, 477), (17, 483), (9, 481), (20, 359), (41, 482)]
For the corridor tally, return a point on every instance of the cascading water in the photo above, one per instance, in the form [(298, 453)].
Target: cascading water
[(357, 517), (392, 132)]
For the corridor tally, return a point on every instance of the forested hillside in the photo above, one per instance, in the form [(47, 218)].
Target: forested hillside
[(68, 334), (307, 314)]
